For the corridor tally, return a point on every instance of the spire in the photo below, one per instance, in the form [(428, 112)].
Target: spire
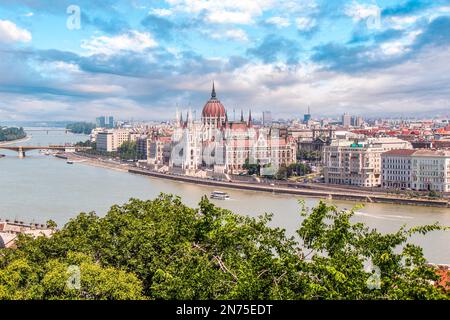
[(213, 92), (249, 116), (242, 115), (181, 119)]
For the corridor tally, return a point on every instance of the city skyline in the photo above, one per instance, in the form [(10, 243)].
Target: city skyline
[(135, 60)]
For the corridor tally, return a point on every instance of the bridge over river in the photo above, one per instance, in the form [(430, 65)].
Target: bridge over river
[(22, 149)]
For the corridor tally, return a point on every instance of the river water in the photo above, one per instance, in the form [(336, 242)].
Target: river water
[(38, 188)]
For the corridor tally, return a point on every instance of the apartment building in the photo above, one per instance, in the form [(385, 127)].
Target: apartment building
[(358, 162), (422, 170), (110, 140), (397, 169)]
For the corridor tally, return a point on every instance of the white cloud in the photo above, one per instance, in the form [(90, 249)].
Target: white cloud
[(305, 23), (401, 22), (161, 12), (29, 14), (359, 11), (280, 22), (219, 11), (10, 33), (232, 34), (132, 41)]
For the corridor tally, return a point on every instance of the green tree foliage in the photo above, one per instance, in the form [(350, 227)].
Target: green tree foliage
[(162, 249), (309, 155), (81, 127), (10, 134), (254, 168), (294, 169), (87, 143), (128, 151)]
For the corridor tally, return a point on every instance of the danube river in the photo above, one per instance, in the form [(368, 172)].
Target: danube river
[(38, 188)]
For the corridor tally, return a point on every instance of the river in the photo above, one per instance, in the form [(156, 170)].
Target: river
[(38, 188)]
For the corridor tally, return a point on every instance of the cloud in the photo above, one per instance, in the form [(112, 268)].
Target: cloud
[(276, 48), (133, 41), (11, 33), (223, 12), (410, 7), (161, 12), (305, 23), (232, 34), (435, 34), (160, 26), (370, 14), (112, 25), (279, 22)]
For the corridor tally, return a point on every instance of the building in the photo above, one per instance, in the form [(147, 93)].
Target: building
[(421, 170), (159, 150), (346, 120), (105, 122), (111, 139), (397, 169), (223, 146), (10, 230), (267, 119), (105, 141), (357, 121), (307, 117), (358, 162)]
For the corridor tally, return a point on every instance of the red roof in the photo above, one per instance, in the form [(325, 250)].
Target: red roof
[(213, 108), (400, 152), (444, 273)]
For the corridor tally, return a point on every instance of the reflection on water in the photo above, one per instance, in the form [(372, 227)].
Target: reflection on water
[(39, 187)]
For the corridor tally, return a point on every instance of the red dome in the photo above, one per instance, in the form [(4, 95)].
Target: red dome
[(213, 108)]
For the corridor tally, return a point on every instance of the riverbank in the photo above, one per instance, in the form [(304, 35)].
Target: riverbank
[(7, 143), (307, 192), (300, 192)]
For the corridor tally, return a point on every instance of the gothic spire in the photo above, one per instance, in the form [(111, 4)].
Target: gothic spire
[(213, 92), (242, 115)]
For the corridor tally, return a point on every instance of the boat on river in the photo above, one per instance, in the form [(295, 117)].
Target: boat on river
[(219, 195)]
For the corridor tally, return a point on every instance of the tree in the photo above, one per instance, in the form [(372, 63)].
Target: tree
[(128, 151), (10, 134), (297, 169), (252, 168), (162, 249), (81, 127)]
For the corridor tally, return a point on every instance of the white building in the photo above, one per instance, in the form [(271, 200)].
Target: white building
[(224, 146), (358, 162), (422, 170), (397, 169), (110, 140), (105, 141)]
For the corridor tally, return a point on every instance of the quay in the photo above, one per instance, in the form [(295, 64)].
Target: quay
[(346, 196)]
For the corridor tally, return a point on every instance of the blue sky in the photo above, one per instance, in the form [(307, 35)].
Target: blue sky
[(143, 59)]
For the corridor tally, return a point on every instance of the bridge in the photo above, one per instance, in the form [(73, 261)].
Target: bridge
[(49, 130), (22, 149)]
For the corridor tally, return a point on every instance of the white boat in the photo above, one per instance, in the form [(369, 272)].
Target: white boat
[(219, 195)]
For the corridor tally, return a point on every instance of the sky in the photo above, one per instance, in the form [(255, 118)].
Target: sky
[(141, 60)]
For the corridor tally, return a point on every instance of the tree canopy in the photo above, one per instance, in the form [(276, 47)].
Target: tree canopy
[(163, 249), (10, 134), (81, 127)]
